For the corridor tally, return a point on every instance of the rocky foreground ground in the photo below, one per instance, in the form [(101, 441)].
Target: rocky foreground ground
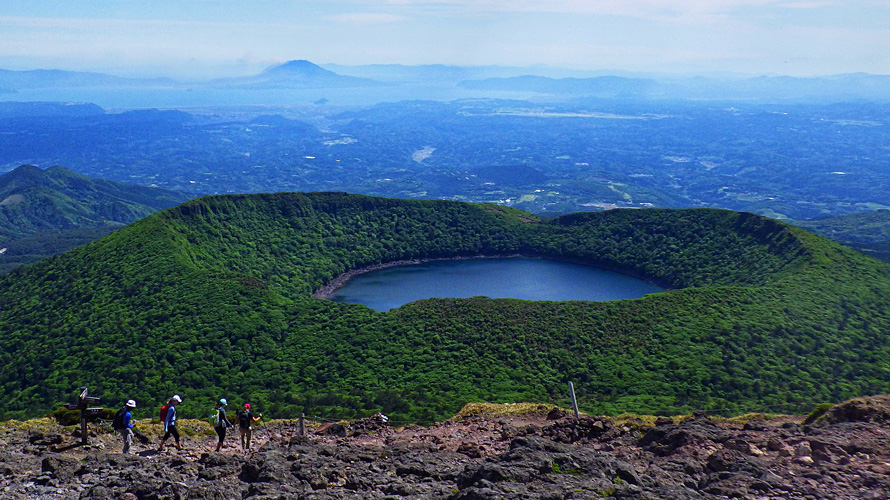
[(486, 452)]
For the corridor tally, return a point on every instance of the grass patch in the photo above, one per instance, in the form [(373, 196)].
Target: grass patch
[(634, 420), (558, 470), (820, 410), (45, 424), (493, 409), (751, 417)]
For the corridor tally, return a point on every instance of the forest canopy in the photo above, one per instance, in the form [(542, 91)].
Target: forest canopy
[(213, 299)]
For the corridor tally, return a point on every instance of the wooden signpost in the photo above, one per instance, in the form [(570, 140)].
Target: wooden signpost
[(83, 404)]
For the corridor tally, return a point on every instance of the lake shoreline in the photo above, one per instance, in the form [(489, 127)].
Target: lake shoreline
[(335, 284), (328, 289)]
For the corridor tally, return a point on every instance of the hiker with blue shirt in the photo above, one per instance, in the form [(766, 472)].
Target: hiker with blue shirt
[(170, 422), (123, 424), (221, 422)]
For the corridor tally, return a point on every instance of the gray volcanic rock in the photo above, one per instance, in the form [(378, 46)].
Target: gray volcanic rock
[(517, 456), (697, 433)]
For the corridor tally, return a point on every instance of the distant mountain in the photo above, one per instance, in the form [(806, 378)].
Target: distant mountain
[(438, 73), (603, 86), (768, 88), (868, 232), (14, 109), (45, 212), (56, 78), (299, 70), (296, 74), (449, 74), (539, 79), (854, 86)]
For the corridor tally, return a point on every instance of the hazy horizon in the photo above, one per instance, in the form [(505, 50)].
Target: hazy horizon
[(218, 38)]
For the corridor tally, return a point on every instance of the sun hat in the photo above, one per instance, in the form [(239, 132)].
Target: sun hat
[(177, 398), (131, 403)]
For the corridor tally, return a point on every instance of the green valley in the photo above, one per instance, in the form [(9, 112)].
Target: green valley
[(212, 299)]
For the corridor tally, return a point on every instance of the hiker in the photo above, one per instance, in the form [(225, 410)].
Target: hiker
[(245, 418), (221, 422), (169, 418), (123, 424)]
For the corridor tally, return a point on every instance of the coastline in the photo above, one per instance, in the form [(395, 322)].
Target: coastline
[(335, 284)]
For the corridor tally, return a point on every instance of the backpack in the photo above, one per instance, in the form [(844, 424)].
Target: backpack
[(244, 418), (214, 417), (164, 413), (118, 422)]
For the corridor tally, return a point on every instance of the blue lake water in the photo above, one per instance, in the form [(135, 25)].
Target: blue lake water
[(518, 278)]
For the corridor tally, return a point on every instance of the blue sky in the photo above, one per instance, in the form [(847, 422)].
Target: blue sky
[(227, 37)]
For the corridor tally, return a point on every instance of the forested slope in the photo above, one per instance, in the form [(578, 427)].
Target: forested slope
[(46, 212), (867, 232), (212, 299)]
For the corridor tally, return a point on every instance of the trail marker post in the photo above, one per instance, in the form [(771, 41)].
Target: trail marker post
[(83, 402), (574, 401)]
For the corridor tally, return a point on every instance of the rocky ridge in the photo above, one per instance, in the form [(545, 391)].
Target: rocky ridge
[(486, 452)]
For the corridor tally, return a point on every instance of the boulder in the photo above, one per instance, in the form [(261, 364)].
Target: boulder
[(868, 409), (698, 432)]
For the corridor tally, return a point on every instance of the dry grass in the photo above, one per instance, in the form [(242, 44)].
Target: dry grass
[(750, 417), (492, 409), (45, 424), (190, 427), (634, 420)]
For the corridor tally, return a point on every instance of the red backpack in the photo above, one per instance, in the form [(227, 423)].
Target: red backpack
[(164, 412)]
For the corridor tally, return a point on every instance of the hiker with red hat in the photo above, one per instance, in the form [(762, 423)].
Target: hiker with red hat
[(245, 418)]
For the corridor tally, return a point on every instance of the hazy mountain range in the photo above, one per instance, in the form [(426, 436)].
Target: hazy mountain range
[(538, 79), (843, 87), (56, 78)]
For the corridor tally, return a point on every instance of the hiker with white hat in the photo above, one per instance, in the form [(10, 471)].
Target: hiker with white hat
[(168, 418), (123, 424)]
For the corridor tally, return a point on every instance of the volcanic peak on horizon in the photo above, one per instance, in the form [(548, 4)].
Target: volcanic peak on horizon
[(299, 67)]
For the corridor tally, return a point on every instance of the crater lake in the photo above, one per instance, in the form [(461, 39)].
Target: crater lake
[(507, 277)]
